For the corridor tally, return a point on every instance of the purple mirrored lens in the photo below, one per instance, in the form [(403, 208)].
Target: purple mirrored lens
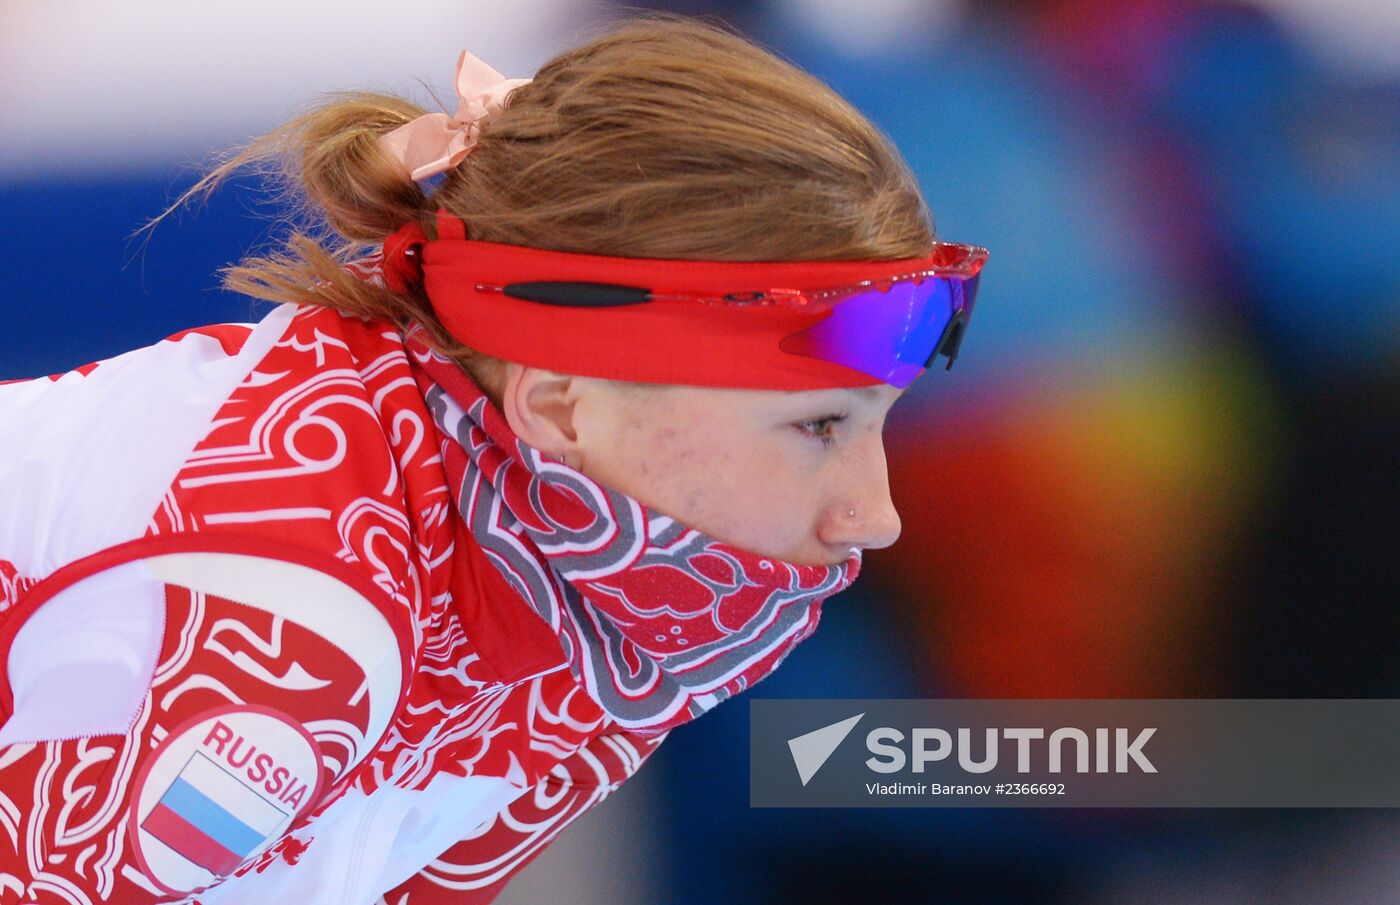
[(890, 335)]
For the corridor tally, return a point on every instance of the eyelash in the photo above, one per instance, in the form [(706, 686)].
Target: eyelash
[(827, 439)]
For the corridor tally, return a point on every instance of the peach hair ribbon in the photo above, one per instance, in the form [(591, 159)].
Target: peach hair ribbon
[(436, 142)]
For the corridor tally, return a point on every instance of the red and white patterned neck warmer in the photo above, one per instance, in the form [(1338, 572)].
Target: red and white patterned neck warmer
[(659, 622)]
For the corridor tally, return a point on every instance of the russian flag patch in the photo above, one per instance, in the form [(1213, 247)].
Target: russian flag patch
[(212, 818), (218, 791)]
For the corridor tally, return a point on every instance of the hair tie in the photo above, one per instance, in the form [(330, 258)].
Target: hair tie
[(436, 142)]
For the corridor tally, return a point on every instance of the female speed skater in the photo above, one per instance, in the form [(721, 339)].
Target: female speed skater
[(557, 438)]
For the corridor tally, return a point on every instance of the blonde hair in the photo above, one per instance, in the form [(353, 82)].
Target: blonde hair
[(665, 138)]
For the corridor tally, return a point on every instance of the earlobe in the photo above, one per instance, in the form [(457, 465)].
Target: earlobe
[(539, 407)]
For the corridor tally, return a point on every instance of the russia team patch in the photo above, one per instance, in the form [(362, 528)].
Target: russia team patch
[(218, 791), (210, 818)]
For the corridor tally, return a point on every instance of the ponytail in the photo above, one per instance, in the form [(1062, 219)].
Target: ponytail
[(667, 138)]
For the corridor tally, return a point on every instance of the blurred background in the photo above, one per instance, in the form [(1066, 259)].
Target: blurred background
[(1165, 465)]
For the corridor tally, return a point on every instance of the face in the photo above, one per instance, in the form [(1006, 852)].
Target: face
[(777, 473)]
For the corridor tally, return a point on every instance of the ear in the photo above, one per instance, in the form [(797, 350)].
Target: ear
[(540, 407)]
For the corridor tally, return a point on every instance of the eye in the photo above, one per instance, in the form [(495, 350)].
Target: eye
[(821, 428)]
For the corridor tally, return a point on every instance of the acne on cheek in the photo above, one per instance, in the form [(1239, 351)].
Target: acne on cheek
[(664, 439), (667, 446), (655, 462), (695, 506), (675, 461)]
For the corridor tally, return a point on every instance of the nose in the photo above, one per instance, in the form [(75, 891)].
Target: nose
[(860, 512)]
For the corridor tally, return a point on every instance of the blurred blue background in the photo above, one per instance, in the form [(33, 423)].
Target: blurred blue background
[(1165, 465)]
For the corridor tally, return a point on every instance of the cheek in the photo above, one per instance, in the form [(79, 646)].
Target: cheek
[(666, 463), (747, 496), (744, 488), (686, 469)]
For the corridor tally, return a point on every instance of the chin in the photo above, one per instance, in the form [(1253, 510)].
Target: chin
[(829, 557)]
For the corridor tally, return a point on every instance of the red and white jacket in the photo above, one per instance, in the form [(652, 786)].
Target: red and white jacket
[(248, 648)]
